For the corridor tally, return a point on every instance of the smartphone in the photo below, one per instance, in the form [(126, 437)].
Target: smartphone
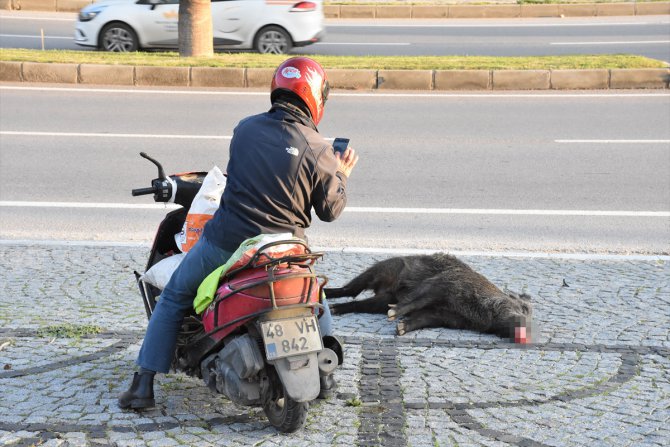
[(340, 145)]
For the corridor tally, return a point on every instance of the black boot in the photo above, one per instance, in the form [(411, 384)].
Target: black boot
[(141, 392)]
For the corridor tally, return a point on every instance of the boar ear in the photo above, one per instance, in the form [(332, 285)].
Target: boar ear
[(525, 297)]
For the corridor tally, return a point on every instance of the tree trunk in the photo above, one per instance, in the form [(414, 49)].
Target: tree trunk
[(195, 28)]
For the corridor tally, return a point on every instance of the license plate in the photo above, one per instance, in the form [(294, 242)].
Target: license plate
[(291, 336)]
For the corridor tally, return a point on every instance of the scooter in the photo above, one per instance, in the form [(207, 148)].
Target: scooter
[(258, 342)]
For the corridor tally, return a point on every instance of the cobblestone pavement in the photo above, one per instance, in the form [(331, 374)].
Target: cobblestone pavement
[(599, 375)]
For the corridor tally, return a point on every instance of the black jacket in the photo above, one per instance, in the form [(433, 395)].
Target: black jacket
[(279, 169)]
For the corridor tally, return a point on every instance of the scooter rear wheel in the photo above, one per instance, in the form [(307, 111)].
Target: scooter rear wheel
[(285, 414)]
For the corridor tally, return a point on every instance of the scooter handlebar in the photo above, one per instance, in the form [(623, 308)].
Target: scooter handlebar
[(143, 191)]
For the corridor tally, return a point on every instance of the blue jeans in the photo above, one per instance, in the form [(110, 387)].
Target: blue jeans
[(176, 300)]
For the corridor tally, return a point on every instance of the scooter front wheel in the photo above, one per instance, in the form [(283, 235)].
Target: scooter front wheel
[(285, 414)]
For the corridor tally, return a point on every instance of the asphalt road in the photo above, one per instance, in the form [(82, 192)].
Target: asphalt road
[(646, 36), (642, 35), (560, 172)]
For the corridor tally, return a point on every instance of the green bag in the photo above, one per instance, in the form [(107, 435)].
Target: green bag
[(208, 287)]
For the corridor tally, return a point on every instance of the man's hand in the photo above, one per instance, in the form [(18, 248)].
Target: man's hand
[(347, 161)]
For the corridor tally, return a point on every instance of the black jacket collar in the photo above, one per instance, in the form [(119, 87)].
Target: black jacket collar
[(292, 112)]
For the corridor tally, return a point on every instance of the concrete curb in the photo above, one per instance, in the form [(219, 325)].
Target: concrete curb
[(163, 76), (404, 79), (106, 75), (425, 80), (45, 5), (415, 11), (521, 79), (56, 73)]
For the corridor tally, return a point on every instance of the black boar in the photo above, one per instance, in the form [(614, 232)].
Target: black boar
[(436, 290)]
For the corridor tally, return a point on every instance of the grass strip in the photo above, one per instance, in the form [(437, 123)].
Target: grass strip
[(68, 330), (254, 60)]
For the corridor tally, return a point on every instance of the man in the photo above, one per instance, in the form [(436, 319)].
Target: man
[(280, 168)]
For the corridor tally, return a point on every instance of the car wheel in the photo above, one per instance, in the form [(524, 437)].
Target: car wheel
[(273, 39), (118, 37)]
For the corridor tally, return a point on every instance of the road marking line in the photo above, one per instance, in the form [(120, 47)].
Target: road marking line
[(53, 19), (364, 43), (149, 206), (228, 137), (486, 25), (36, 37), (638, 42), (496, 254), (614, 141), (115, 135), (484, 95), (370, 250), (508, 212), (121, 135), (127, 90), (370, 210)]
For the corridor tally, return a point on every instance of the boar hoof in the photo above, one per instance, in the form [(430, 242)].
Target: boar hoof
[(391, 314), (400, 328)]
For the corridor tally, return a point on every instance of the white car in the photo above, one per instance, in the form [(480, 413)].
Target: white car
[(268, 26)]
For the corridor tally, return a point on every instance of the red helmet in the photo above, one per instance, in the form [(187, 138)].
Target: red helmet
[(306, 78)]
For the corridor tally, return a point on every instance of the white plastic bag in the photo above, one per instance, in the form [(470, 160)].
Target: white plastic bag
[(204, 205), (159, 274)]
